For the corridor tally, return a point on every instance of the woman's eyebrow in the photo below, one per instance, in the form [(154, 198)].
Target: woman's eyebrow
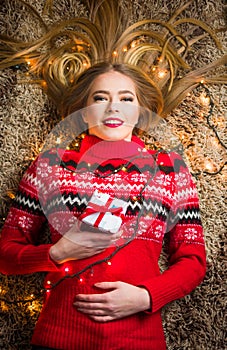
[(101, 92), (126, 92), (108, 92)]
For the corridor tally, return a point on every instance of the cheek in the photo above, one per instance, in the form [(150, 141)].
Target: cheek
[(94, 113), (132, 113)]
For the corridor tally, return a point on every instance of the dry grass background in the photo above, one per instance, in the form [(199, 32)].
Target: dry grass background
[(194, 322)]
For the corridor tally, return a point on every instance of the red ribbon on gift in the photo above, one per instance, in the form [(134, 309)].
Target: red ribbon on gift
[(102, 209)]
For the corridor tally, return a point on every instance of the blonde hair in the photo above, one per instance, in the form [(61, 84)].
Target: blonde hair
[(70, 47)]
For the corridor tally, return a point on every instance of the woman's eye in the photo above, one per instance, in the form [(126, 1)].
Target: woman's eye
[(127, 99), (100, 98)]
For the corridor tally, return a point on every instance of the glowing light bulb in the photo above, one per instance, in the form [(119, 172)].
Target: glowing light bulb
[(161, 74), (67, 269), (4, 307), (133, 44), (114, 53), (10, 195), (34, 307), (204, 100), (109, 263), (209, 165)]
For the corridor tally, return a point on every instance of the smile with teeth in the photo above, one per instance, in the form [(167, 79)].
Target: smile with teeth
[(113, 122)]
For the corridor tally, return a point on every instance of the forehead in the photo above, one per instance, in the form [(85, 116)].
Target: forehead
[(113, 81)]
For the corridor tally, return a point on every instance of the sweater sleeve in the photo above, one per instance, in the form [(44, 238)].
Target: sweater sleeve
[(20, 252), (186, 249)]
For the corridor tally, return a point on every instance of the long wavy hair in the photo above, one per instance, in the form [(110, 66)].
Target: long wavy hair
[(69, 48)]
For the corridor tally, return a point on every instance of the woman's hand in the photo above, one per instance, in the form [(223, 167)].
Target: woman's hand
[(124, 300), (76, 245)]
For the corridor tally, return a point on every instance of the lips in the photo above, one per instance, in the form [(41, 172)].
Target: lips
[(113, 122)]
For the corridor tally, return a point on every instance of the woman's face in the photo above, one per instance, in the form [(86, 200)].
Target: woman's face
[(113, 108)]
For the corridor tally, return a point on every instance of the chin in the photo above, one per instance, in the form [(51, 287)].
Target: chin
[(113, 136), (116, 138)]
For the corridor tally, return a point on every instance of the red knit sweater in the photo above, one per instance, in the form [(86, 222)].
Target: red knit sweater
[(161, 199)]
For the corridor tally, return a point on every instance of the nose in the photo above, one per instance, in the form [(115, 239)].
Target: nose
[(113, 106)]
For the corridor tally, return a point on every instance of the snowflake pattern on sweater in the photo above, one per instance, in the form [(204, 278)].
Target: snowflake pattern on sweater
[(162, 201), (167, 197)]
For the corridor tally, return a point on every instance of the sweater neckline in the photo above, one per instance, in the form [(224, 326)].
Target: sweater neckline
[(93, 146)]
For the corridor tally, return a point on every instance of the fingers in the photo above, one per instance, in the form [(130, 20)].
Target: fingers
[(95, 306), (91, 304), (91, 301), (97, 313), (105, 318), (91, 309), (105, 236), (117, 235), (92, 298), (93, 239), (107, 285)]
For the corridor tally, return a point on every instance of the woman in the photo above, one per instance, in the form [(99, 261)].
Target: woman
[(104, 288)]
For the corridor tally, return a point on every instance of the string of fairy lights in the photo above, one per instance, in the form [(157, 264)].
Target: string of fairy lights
[(33, 301), (205, 99)]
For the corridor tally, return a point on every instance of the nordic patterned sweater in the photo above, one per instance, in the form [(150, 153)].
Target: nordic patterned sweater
[(161, 201)]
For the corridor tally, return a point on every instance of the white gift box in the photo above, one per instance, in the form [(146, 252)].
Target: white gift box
[(104, 212)]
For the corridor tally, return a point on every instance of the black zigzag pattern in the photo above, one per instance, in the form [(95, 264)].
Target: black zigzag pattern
[(54, 159), (103, 169), (186, 216), (25, 202), (72, 165), (76, 203), (70, 200)]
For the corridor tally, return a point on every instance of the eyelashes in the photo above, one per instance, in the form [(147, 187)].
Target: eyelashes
[(128, 99), (99, 98)]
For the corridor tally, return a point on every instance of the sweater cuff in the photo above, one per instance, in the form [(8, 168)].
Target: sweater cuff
[(148, 311), (159, 295), (38, 259)]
